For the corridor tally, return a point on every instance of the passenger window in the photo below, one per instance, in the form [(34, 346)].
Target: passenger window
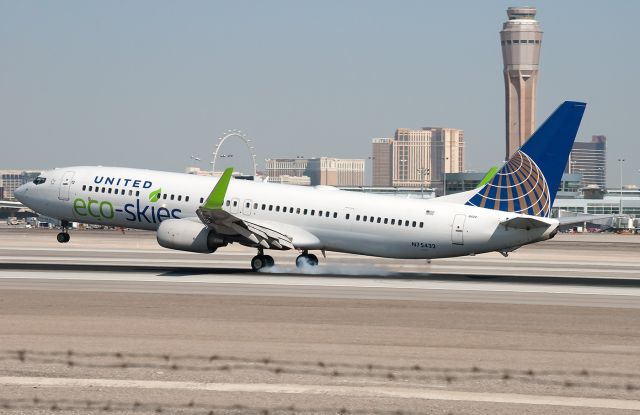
[(371, 219), (393, 221), (235, 203), (278, 208), (164, 195), (304, 212), (109, 190), (421, 224), (284, 209), (399, 222), (413, 224), (84, 187), (406, 223), (335, 214), (186, 198), (327, 214), (264, 206), (255, 206), (298, 211), (313, 211), (103, 190), (172, 196), (137, 193), (290, 210), (357, 218), (247, 204), (131, 194), (270, 208), (320, 213), (122, 193), (379, 220), (386, 220), (364, 218), (347, 216), (179, 198), (201, 200)]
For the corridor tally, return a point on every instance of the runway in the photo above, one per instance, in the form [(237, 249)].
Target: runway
[(554, 328)]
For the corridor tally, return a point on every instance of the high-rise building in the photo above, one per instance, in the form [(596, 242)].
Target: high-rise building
[(521, 39), (418, 157), (328, 171), (10, 180), (382, 162), (590, 160)]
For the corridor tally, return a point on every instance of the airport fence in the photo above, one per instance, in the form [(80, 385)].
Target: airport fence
[(597, 379), (600, 382)]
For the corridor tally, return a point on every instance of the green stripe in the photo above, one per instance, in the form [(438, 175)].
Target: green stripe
[(216, 198), (487, 177)]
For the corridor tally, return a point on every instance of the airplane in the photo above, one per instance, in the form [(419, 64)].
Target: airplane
[(201, 214)]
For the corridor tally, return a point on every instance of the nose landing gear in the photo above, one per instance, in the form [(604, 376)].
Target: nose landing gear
[(64, 237)]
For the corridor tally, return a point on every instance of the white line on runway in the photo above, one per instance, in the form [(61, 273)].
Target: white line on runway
[(351, 391), (472, 269), (372, 283)]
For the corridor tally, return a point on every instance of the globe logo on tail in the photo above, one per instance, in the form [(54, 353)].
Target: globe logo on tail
[(518, 187)]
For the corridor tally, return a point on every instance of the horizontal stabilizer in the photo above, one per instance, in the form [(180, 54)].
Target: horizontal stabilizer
[(526, 223)]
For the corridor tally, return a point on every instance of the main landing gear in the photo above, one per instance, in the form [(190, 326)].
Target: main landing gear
[(261, 261), (306, 259), (64, 237)]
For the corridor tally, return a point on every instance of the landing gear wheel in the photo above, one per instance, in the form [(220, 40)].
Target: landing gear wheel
[(63, 237), (306, 260), (260, 261), (313, 260)]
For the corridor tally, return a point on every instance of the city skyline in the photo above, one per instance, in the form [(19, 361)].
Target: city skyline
[(110, 84)]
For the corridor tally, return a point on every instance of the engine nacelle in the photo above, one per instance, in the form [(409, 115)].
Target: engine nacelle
[(186, 235)]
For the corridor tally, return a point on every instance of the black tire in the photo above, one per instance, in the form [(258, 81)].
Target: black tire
[(269, 261), (313, 260), (308, 260), (301, 261), (62, 237), (258, 262), (67, 237)]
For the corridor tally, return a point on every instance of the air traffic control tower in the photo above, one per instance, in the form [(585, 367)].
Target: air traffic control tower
[(521, 38)]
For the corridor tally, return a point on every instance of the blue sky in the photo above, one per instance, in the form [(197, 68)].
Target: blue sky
[(148, 83)]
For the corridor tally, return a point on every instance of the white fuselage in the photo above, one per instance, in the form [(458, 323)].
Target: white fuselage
[(368, 224)]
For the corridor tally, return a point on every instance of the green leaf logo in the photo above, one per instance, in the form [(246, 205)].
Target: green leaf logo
[(155, 195)]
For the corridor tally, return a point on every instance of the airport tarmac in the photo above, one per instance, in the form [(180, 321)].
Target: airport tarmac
[(554, 328)]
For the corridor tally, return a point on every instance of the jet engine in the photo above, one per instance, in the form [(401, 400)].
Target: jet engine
[(187, 235)]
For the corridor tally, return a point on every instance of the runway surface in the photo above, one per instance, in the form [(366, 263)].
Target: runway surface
[(554, 328)]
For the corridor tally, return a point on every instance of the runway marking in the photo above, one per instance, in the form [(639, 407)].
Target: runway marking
[(471, 269), (311, 281), (350, 391)]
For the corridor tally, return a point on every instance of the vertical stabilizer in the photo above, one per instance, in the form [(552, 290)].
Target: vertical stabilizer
[(529, 181)]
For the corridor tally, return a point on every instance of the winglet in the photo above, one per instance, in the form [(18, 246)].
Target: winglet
[(216, 197)]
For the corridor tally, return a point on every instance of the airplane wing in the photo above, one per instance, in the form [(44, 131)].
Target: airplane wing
[(266, 234), (569, 220)]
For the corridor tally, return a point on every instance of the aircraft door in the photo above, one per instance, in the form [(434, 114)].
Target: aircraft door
[(234, 205), (65, 185), (246, 207), (457, 230)]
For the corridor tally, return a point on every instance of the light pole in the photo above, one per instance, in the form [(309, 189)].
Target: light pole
[(423, 171), (620, 161)]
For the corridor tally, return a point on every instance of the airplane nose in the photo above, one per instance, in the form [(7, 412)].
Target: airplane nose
[(20, 192)]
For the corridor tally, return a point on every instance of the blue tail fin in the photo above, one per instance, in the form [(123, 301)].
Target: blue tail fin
[(529, 181)]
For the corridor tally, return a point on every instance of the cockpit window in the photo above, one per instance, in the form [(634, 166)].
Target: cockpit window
[(39, 180)]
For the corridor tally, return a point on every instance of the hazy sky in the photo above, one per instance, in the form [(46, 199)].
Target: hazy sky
[(148, 83)]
